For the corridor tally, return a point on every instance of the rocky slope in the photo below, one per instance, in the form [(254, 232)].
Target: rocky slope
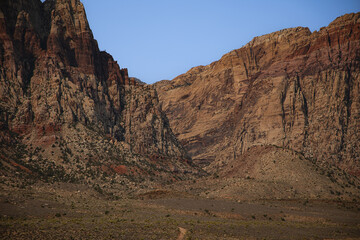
[(67, 108), (292, 88), (270, 172)]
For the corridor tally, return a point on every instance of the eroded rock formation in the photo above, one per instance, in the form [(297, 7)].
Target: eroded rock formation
[(71, 104), (292, 88)]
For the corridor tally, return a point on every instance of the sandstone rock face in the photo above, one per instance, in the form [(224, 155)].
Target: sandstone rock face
[(63, 96), (292, 88)]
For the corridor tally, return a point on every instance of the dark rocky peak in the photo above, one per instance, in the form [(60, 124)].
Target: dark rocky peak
[(12, 8), (52, 76), (70, 35)]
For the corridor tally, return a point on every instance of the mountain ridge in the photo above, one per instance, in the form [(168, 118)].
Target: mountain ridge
[(87, 152), (288, 70), (70, 108)]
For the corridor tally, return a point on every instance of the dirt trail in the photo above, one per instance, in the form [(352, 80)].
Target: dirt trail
[(182, 233)]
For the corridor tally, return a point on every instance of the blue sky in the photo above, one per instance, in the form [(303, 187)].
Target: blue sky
[(161, 39)]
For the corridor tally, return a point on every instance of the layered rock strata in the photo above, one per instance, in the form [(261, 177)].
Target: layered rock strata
[(293, 88), (63, 96)]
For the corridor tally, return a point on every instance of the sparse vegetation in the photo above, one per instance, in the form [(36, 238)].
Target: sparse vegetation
[(111, 170)]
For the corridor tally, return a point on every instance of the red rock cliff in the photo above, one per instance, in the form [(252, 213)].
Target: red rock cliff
[(290, 88), (57, 89)]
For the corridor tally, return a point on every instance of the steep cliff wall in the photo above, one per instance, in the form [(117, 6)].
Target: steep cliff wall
[(292, 88), (70, 101)]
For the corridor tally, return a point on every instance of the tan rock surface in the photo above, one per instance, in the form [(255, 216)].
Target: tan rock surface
[(290, 88)]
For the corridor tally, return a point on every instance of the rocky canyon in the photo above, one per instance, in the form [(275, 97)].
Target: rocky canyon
[(261, 144)]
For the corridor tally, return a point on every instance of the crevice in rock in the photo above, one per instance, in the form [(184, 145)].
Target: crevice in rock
[(283, 94)]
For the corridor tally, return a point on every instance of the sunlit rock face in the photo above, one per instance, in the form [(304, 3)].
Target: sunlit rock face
[(292, 88)]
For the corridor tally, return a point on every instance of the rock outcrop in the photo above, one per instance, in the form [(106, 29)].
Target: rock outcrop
[(70, 105), (292, 88)]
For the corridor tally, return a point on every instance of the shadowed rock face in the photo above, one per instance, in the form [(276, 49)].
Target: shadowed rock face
[(290, 88), (54, 82)]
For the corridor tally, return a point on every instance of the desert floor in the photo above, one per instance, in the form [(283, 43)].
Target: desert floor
[(69, 211)]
